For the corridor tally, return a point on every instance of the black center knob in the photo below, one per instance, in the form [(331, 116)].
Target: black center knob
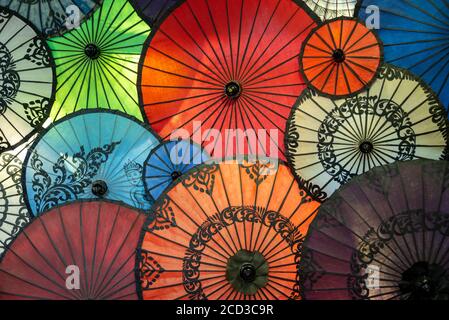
[(339, 56), (366, 147), (92, 51), (175, 175), (421, 280), (99, 188), (248, 272), (233, 89)]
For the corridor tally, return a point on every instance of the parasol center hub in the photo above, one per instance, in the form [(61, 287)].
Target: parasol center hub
[(248, 272), (366, 147), (422, 280), (339, 56), (92, 51), (99, 188), (233, 89), (175, 175)]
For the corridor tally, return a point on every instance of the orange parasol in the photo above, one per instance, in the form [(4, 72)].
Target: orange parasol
[(341, 57), (226, 231)]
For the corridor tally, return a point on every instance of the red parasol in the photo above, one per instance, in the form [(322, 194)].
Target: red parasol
[(98, 238)]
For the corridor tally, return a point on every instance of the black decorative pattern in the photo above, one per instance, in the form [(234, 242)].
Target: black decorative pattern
[(13, 169), (140, 199), (60, 185), (375, 240), (26, 81), (202, 179), (36, 111), (257, 170), (163, 216), (9, 78), (361, 106), (150, 269), (37, 53), (228, 217)]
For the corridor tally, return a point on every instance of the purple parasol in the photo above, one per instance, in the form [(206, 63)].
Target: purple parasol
[(385, 235)]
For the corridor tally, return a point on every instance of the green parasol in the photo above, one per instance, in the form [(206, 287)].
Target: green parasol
[(96, 63)]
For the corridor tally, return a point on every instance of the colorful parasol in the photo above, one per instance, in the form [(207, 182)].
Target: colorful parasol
[(53, 17), (14, 214), (154, 11), (415, 36), (90, 154), (26, 80), (84, 250), (230, 66), (96, 64), (341, 57), (168, 161), (329, 9), (226, 231), (398, 118), (382, 236)]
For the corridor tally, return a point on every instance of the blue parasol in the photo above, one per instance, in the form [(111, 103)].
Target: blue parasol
[(415, 34), (88, 155), (168, 162)]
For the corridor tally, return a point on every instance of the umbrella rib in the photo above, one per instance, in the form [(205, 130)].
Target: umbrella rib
[(218, 109), (269, 285), (94, 255), (248, 104), (212, 20), (226, 253), (83, 253), (256, 248), (99, 288), (242, 109), (105, 291), (237, 58), (229, 205), (226, 284), (109, 66), (215, 115), (244, 69), (219, 74), (180, 76), (229, 289), (115, 170), (211, 77), (185, 99), (34, 285), (373, 207), (294, 72), (271, 110), (72, 86), (108, 242), (229, 254), (166, 255), (251, 240), (248, 100), (428, 14), (250, 35), (231, 51), (11, 125), (433, 65), (389, 12), (109, 21), (202, 288), (253, 75), (354, 249), (112, 42), (429, 49)]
